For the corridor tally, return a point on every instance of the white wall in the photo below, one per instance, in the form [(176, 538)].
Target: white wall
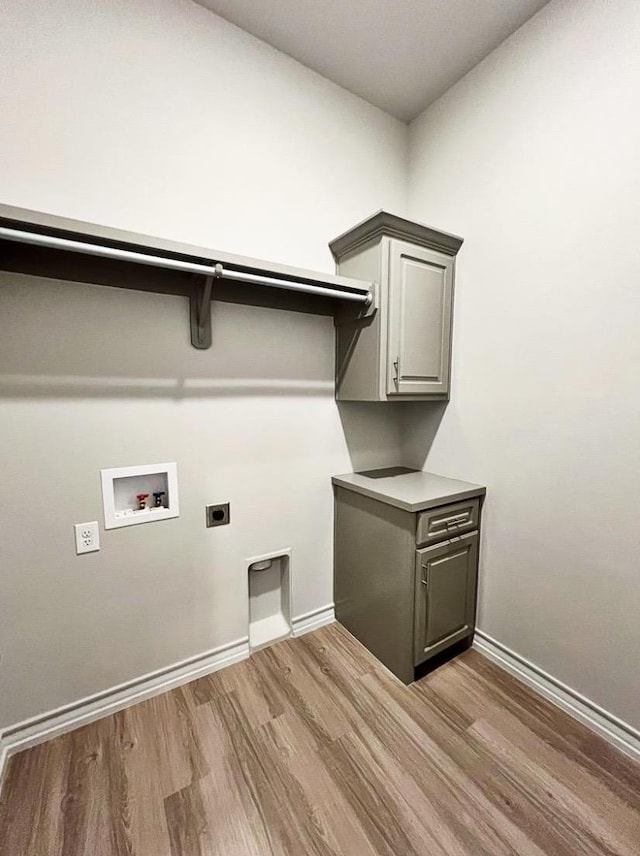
[(164, 119), (533, 157)]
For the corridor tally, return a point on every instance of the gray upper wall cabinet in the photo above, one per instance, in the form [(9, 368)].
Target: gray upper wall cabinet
[(403, 351)]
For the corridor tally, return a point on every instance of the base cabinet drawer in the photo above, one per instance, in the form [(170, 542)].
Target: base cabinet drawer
[(444, 522), (446, 580)]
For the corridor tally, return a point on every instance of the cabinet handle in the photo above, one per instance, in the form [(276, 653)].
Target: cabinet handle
[(396, 365), (453, 521), (425, 574)]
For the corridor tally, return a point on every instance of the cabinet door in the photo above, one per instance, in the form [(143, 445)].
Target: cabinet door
[(446, 577), (420, 298)]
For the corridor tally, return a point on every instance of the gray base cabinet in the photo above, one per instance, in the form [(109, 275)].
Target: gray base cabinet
[(403, 351), (405, 581)]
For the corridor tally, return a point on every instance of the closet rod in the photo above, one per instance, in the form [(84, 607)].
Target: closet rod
[(362, 295), (257, 279)]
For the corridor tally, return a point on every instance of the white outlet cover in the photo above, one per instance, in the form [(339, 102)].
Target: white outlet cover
[(87, 537)]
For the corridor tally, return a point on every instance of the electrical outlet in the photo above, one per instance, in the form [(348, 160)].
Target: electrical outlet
[(87, 537), (218, 515)]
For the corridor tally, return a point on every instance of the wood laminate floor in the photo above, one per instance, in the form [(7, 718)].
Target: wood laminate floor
[(312, 747)]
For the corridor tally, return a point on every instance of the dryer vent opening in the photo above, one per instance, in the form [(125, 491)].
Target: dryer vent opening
[(269, 600)]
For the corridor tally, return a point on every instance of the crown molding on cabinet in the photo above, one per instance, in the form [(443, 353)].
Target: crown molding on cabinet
[(392, 226)]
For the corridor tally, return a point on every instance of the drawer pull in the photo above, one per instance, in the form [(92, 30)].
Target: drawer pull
[(453, 521)]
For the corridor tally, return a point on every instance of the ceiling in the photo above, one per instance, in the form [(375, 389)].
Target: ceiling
[(397, 54)]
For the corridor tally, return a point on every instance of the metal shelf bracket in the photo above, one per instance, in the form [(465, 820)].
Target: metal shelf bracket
[(346, 316), (200, 309)]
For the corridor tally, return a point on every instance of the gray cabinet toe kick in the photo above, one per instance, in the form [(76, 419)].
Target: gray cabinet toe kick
[(406, 581)]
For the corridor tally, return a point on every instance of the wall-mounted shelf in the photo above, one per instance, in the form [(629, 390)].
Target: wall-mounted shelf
[(45, 245)]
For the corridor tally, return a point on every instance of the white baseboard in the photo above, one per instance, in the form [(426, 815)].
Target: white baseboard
[(622, 735), (314, 619), (4, 757), (55, 722)]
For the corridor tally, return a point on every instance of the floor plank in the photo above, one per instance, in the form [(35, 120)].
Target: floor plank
[(313, 747)]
